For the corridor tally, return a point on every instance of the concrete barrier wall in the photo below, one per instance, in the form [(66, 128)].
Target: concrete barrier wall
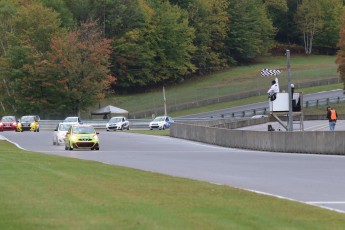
[(320, 142)]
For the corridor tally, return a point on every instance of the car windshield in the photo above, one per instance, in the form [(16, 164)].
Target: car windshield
[(27, 119), (64, 127), (115, 119), (71, 119), (83, 130), (159, 119), (8, 119)]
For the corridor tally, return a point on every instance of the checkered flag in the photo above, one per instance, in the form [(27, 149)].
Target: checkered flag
[(269, 72)]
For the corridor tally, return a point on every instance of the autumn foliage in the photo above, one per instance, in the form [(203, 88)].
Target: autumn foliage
[(340, 60), (78, 68)]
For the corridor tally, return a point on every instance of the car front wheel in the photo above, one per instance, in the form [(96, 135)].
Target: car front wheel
[(70, 147)]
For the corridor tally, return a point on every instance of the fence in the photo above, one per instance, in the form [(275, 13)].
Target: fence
[(235, 96), (265, 110), (144, 123)]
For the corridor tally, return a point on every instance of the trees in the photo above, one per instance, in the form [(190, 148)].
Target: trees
[(278, 12), (118, 16), (210, 21), (153, 42), (37, 25), (157, 53), (171, 39), (309, 21), (30, 29), (64, 13), (328, 36), (77, 69), (340, 60), (251, 31), (8, 10)]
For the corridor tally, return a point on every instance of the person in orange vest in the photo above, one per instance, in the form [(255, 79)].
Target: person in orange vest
[(332, 117)]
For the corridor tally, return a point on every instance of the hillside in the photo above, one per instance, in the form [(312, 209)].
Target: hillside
[(237, 82)]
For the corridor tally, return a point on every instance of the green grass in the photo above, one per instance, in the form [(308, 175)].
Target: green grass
[(41, 191), (233, 81)]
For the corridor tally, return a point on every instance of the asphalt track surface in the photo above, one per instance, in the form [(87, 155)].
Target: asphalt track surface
[(313, 179)]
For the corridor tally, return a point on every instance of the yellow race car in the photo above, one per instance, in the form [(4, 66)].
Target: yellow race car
[(28, 123), (82, 137)]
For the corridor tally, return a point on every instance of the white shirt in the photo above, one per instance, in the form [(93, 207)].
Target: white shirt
[(274, 88)]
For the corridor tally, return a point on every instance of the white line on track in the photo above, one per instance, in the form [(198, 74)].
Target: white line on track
[(325, 202), (18, 146), (317, 204)]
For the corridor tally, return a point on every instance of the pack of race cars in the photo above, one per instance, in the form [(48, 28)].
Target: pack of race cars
[(25, 123), (72, 133)]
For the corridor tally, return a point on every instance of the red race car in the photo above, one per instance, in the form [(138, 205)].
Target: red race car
[(8, 123)]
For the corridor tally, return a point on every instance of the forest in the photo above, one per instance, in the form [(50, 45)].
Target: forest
[(58, 57)]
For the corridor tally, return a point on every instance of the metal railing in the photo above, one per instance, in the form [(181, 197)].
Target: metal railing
[(265, 110), (100, 124), (144, 123)]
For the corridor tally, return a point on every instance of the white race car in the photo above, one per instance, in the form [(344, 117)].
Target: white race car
[(162, 122), (117, 123), (60, 133)]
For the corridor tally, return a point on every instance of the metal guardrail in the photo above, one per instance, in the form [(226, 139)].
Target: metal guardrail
[(144, 123), (100, 124), (265, 111)]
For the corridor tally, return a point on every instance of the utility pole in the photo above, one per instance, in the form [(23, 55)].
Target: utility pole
[(165, 102), (290, 125)]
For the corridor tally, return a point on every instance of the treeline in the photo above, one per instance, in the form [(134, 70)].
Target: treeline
[(60, 56)]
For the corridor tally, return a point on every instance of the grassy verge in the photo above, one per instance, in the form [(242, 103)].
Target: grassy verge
[(40, 191)]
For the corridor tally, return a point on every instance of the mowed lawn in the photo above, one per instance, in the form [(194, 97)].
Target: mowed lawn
[(41, 191)]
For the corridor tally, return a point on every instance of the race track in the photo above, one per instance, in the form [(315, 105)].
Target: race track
[(313, 179)]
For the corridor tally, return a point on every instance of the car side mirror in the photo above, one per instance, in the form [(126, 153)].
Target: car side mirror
[(97, 133)]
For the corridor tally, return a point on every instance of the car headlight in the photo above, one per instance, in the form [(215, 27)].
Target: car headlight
[(95, 137), (74, 138)]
